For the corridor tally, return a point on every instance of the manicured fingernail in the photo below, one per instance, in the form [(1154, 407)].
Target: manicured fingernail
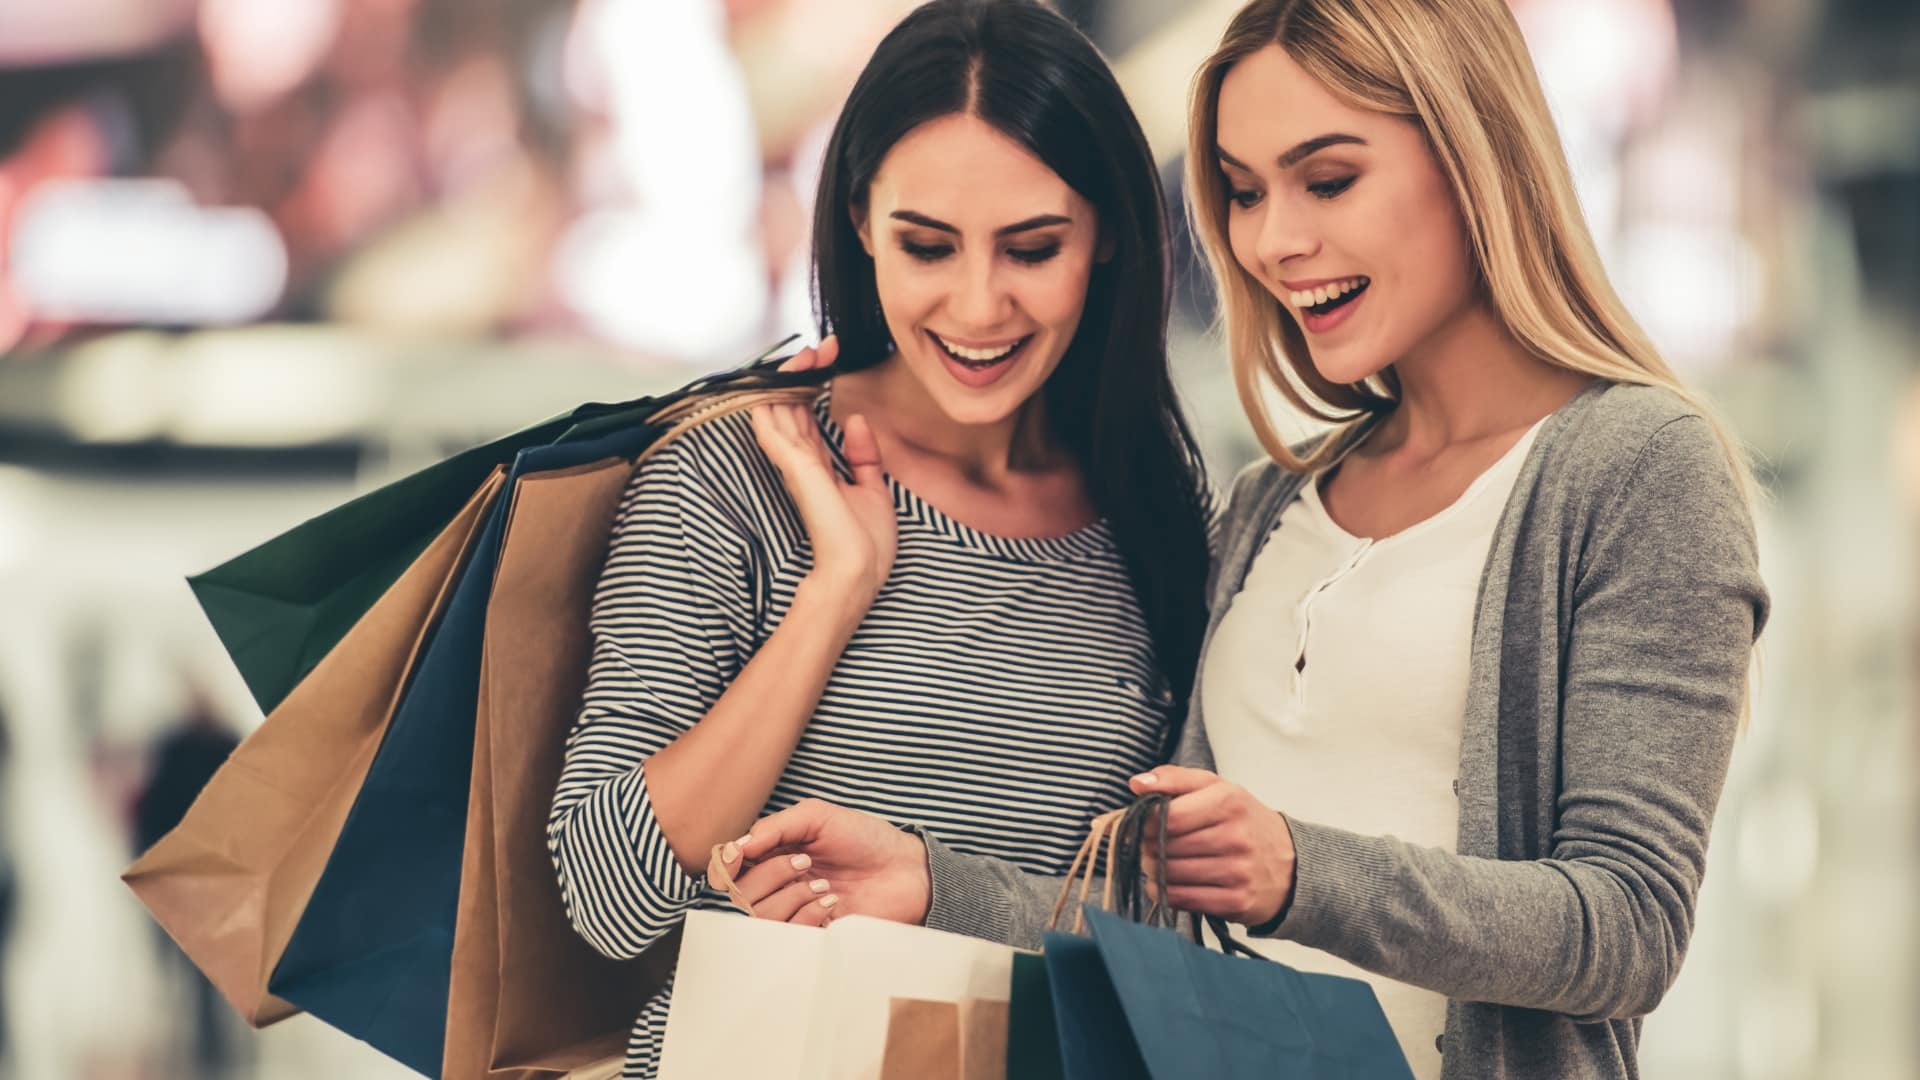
[(1147, 779), (819, 886), (801, 862), (745, 840), (830, 901), (730, 853)]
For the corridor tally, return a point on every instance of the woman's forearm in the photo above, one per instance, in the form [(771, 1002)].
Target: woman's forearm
[(709, 785)]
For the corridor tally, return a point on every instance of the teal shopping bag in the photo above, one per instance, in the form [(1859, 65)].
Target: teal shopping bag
[(1137, 1001)]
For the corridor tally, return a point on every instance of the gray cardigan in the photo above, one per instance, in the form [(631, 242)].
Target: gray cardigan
[(1616, 614)]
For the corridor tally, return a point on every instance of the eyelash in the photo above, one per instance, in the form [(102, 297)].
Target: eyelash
[(936, 252), (1324, 190), (1330, 189)]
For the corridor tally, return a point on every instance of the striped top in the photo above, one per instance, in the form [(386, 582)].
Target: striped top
[(999, 691)]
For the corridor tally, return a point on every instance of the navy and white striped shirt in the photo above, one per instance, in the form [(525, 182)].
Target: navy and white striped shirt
[(999, 691)]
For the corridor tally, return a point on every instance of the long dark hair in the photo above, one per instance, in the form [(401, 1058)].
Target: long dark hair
[(1028, 72)]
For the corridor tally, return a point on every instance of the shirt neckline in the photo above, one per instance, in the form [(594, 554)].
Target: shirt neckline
[(1310, 494), (1089, 541)]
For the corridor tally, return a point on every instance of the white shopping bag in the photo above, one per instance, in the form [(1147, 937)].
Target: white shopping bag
[(869, 962), (744, 985)]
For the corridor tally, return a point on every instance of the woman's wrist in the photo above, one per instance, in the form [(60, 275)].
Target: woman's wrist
[(838, 600), (1289, 861)]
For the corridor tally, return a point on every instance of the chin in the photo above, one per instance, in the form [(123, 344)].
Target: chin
[(1346, 366), (988, 405), (979, 410)]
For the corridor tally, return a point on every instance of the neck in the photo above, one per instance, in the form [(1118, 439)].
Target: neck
[(1469, 381), (906, 419)]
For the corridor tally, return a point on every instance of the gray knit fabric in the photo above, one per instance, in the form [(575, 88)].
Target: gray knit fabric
[(1616, 614)]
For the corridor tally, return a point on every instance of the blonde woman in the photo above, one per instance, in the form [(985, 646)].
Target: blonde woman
[(1477, 660)]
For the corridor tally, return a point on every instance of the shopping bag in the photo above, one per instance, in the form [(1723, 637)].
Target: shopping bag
[(283, 605), (1196, 1012), (948, 1040), (372, 954), (868, 962), (230, 881), (1135, 1001), (527, 992), (827, 991), (741, 984), (1033, 1038), (983, 1038), (1095, 1042), (923, 1040)]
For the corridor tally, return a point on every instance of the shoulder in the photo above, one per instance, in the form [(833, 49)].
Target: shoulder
[(1618, 433), (1261, 481), (716, 466)]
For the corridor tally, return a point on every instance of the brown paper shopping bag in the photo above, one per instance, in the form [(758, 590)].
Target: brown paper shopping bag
[(923, 1040), (528, 993), (230, 881), (945, 1040)]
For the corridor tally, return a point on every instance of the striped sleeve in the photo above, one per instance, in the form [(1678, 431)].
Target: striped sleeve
[(673, 617)]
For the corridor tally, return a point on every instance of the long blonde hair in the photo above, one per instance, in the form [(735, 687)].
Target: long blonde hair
[(1458, 69)]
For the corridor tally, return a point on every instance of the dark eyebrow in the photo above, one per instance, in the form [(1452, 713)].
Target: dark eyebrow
[(1299, 153), (1040, 221)]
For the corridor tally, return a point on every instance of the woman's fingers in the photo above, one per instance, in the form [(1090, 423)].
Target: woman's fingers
[(1215, 839), (762, 880), (1173, 780), (818, 912), (814, 357), (787, 901), (863, 453), (1206, 899)]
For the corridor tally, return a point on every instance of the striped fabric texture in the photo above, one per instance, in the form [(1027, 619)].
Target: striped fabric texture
[(998, 694)]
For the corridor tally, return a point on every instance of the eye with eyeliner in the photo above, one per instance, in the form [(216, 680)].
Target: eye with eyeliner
[(1034, 256), (925, 252), (1030, 256), (1330, 188)]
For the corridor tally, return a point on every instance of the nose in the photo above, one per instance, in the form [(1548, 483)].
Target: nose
[(981, 302), (1283, 237)]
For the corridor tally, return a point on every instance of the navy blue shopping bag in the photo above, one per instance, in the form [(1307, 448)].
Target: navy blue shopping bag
[(372, 955), (1190, 1011), (1095, 1043)]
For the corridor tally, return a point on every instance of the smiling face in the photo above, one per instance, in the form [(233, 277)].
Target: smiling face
[(981, 257), (1343, 214)]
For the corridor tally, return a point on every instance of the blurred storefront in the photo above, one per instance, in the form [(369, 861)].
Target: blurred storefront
[(255, 258)]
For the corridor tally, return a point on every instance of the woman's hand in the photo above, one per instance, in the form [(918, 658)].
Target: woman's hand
[(1226, 853), (818, 861), (852, 525)]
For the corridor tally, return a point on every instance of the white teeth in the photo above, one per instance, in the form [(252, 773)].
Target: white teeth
[(978, 356), (1314, 297)]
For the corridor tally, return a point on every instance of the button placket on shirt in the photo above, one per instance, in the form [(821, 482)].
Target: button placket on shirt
[(1305, 614)]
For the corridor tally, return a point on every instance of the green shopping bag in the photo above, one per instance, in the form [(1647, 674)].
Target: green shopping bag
[(1033, 1036), (281, 607)]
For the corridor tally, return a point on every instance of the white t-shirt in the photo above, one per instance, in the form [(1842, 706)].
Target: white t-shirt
[(1335, 687)]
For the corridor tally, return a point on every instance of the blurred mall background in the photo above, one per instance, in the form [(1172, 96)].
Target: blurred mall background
[(256, 257)]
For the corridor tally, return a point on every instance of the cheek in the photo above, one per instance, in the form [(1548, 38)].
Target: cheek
[(1055, 294), (907, 290), (1432, 241), (1243, 229)]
